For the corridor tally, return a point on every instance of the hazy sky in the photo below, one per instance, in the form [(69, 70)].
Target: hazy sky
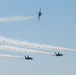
[(57, 27)]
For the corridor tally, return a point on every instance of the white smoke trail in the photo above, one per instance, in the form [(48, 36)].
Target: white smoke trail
[(32, 45), (16, 19), (10, 56), (12, 48)]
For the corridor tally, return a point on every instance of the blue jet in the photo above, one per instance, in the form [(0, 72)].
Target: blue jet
[(39, 14), (58, 54), (28, 58)]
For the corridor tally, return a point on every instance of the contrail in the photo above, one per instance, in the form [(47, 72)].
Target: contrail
[(16, 19), (13, 48), (32, 45), (10, 56)]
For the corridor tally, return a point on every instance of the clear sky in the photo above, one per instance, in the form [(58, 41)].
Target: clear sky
[(56, 27)]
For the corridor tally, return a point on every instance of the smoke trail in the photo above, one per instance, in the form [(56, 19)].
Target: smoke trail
[(12, 48), (32, 45), (16, 19), (10, 56)]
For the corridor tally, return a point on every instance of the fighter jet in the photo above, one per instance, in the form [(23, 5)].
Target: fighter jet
[(39, 14), (58, 54), (28, 58)]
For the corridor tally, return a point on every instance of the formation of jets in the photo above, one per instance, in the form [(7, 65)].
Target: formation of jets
[(56, 54), (30, 58)]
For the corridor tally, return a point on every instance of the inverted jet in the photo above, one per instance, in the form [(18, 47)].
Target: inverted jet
[(58, 54), (28, 58)]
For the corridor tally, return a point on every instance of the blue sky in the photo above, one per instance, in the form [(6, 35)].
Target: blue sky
[(56, 27)]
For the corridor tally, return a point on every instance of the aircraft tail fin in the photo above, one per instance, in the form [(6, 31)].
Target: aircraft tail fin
[(55, 53), (25, 57)]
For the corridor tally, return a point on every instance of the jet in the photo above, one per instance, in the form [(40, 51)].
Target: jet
[(28, 58), (58, 54), (39, 14)]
